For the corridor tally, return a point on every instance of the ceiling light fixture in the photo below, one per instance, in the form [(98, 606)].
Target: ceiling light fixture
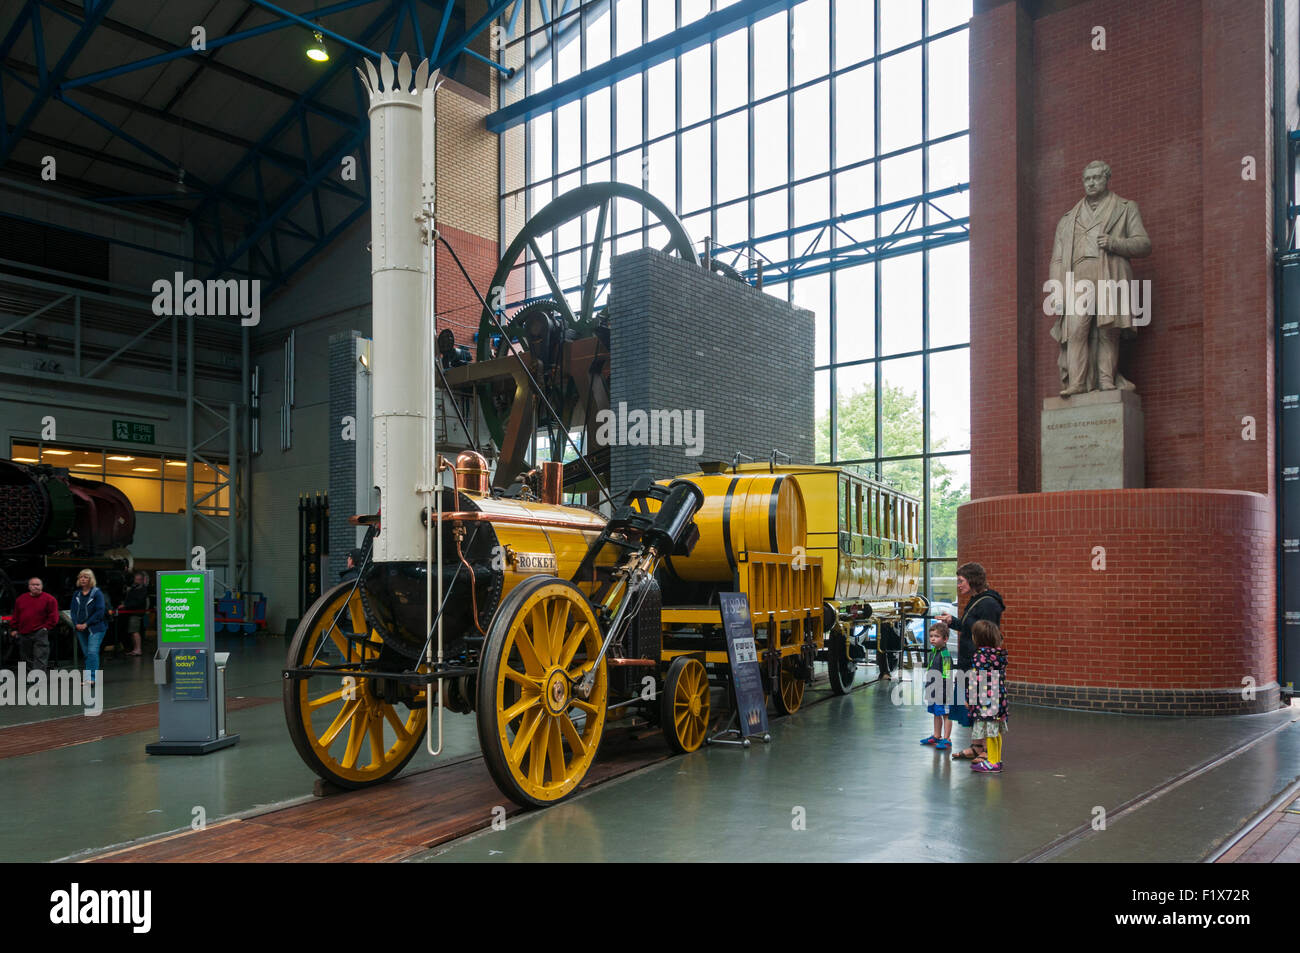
[(122, 459), (317, 50)]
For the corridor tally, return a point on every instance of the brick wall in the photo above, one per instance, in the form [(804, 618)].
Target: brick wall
[(1185, 603), (1178, 98), (343, 453), (1180, 95), (468, 180), (682, 338)]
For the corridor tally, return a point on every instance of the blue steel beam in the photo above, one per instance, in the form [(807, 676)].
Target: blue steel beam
[(321, 243), (714, 26), (447, 7), (187, 50), (494, 10), (339, 37), (23, 19), (415, 28), (211, 205), (291, 198), (96, 10)]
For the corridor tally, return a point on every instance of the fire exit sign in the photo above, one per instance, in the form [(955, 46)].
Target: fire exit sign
[(130, 431)]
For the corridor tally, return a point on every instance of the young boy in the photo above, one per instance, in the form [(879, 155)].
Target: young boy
[(938, 686)]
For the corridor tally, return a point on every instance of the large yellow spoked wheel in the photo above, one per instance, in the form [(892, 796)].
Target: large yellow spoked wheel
[(684, 704), (790, 694), (538, 735), (343, 730)]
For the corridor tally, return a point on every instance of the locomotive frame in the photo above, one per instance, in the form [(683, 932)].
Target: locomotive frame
[(544, 634)]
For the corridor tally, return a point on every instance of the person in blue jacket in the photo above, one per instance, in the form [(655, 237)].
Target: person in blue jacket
[(89, 611)]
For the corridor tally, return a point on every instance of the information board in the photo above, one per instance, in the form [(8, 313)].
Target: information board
[(746, 675), (190, 675), (182, 607)]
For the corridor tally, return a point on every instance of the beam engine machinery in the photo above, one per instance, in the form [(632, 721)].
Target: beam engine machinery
[(549, 621)]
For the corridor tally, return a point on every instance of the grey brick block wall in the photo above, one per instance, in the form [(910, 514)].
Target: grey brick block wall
[(684, 339), (343, 453)]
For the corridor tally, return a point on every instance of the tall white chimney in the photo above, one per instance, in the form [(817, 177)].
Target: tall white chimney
[(400, 187)]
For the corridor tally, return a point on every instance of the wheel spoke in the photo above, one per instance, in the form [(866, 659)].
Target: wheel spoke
[(528, 652), (375, 728), (521, 706), (559, 622), (342, 718), (399, 729), (580, 630), (588, 707), (549, 276), (355, 738), (537, 750), (522, 680), (571, 735), (593, 271), (541, 630), (524, 736), (314, 703), (555, 751)]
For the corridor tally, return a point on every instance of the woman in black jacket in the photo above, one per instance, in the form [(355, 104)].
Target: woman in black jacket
[(985, 603)]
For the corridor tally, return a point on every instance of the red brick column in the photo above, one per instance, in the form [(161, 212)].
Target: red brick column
[(1177, 99), (1182, 612)]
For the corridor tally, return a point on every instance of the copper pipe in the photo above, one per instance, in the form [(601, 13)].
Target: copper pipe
[(473, 588), (552, 482), (467, 517), (628, 662)]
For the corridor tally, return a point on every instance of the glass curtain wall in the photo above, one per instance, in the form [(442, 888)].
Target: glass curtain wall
[(821, 112)]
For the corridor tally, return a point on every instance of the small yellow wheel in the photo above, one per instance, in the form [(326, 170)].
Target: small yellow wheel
[(684, 704), (539, 735), (342, 729), (790, 694)]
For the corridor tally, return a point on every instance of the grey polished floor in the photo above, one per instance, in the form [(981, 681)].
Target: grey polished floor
[(866, 790), (850, 768)]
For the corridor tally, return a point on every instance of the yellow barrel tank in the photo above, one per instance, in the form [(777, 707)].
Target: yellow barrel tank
[(742, 513)]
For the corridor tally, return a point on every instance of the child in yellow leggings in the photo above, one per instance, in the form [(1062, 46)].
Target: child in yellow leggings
[(988, 707)]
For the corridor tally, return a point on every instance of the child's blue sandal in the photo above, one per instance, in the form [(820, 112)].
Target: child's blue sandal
[(943, 744), (932, 740)]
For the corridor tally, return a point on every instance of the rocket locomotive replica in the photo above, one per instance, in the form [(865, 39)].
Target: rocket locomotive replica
[(548, 621)]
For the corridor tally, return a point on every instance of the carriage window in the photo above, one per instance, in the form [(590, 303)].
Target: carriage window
[(857, 496), (844, 504)]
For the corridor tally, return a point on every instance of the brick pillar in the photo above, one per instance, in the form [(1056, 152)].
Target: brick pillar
[(1004, 421), (1177, 98)]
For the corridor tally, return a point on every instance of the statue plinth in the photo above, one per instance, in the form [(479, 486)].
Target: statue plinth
[(1093, 441)]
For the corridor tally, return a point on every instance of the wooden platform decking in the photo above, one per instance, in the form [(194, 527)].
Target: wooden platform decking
[(1274, 840), (389, 822)]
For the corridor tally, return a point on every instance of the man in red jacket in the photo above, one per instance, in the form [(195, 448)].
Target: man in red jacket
[(36, 613)]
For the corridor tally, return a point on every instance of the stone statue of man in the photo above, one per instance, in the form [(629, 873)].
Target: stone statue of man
[(1094, 242)]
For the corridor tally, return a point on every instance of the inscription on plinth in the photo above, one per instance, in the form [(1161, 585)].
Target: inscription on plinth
[(1093, 441)]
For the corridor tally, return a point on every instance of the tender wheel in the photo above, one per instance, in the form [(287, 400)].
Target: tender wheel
[(684, 705), (538, 736), (839, 666), (790, 694), (345, 733), (889, 645)]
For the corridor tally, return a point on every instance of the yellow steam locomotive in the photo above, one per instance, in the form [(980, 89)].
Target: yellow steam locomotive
[(557, 619)]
